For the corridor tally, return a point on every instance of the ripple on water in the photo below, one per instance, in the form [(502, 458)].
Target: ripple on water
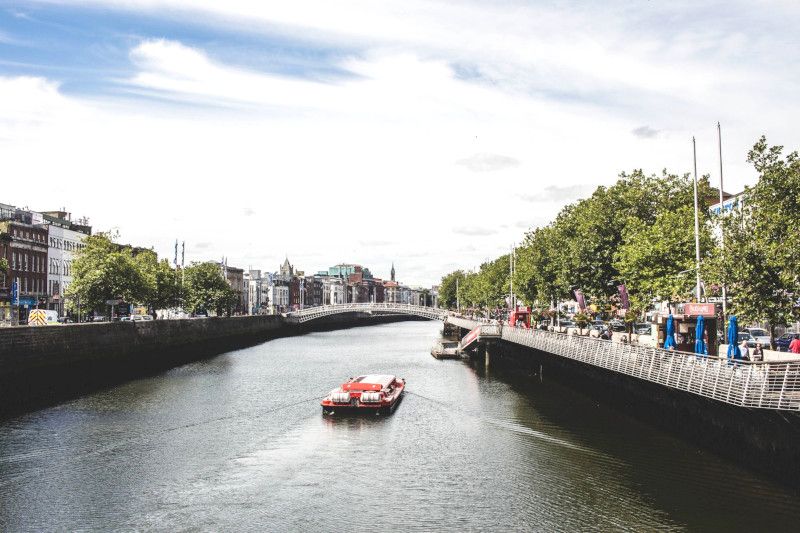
[(236, 442)]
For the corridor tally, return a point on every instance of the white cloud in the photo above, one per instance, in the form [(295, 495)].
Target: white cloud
[(328, 170), (645, 132)]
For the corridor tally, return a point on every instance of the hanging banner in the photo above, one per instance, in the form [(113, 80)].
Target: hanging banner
[(623, 296), (580, 299)]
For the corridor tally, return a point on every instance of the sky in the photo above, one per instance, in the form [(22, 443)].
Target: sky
[(431, 135)]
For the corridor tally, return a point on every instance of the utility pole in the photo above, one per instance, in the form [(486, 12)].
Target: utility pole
[(511, 278), (458, 301), (696, 223), (722, 235)]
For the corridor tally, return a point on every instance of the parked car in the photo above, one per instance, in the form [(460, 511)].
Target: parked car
[(598, 325), (642, 329), (759, 336), (567, 324), (142, 318), (617, 325), (125, 319), (782, 342), (744, 336)]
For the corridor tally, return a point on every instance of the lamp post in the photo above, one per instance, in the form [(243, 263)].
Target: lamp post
[(722, 234), (458, 300), (696, 223)]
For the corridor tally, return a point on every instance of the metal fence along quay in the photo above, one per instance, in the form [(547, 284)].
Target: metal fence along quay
[(760, 385)]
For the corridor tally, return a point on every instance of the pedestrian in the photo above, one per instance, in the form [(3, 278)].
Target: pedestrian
[(745, 350), (794, 346), (758, 352)]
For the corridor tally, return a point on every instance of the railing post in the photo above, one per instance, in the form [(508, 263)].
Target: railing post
[(747, 383), (783, 385), (764, 382)]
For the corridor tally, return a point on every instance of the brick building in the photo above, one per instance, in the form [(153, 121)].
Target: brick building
[(24, 246)]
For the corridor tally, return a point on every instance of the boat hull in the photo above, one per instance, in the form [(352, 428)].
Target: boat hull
[(361, 409)]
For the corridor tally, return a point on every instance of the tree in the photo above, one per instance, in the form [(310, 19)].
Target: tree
[(447, 288), (103, 270), (162, 278), (3, 266), (760, 262), (657, 260), (206, 289)]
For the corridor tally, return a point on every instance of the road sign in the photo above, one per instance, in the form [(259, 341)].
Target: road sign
[(113, 302), (14, 293)]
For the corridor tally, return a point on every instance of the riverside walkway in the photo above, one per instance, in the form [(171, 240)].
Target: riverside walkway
[(757, 385)]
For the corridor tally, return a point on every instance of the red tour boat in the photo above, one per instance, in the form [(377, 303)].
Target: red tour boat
[(374, 393)]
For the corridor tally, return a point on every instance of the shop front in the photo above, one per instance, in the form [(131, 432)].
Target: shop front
[(685, 322)]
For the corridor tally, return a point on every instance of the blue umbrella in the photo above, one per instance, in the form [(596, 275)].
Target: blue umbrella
[(669, 337), (699, 345), (733, 337)]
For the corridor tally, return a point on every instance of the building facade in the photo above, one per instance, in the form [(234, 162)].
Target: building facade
[(24, 247), (64, 238), (235, 278)]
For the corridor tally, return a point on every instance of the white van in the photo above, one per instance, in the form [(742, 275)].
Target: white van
[(42, 317)]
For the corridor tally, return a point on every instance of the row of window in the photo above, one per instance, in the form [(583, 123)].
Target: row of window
[(64, 244), (35, 285), (56, 288), (27, 262), (37, 236), (60, 267)]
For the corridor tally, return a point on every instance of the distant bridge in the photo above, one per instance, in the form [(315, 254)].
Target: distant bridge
[(312, 313)]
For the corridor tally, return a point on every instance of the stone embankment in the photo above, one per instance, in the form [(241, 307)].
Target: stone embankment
[(44, 365)]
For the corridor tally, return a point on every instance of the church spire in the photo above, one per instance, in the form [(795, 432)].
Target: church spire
[(392, 270)]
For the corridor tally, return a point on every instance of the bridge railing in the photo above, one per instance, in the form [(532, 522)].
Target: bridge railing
[(311, 313), (765, 385)]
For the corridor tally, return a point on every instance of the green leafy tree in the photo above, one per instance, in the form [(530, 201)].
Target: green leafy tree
[(538, 265), (760, 263), (657, 260), (162, 278), (3, 266), (206, 289), (103, 270), (447, 288)]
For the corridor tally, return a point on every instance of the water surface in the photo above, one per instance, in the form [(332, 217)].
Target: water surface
[(239, 442)]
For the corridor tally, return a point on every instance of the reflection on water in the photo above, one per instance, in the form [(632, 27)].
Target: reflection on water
[(239, 442)]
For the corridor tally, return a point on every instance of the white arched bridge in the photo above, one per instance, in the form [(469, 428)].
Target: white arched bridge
[(312, 313)]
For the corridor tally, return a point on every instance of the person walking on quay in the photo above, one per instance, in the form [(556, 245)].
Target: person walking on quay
[(794, 346)]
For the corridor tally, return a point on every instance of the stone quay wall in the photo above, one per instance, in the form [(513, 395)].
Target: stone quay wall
[(44, 365)]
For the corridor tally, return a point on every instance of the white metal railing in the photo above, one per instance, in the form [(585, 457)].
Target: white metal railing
[(311, 313), (762, 385)]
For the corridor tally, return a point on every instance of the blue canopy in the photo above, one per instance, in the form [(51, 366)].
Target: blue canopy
[(669, 337), (700, 345), (733, 337)]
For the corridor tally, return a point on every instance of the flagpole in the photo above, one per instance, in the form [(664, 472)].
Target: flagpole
[(722, 231), (696, 223)]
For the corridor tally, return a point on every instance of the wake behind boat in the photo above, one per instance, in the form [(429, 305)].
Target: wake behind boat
[(373, 393)]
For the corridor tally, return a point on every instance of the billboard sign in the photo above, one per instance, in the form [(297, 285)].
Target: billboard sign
[(692, 309)]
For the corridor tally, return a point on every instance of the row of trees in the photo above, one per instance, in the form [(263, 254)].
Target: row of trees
[(103, 270), (641, 231)]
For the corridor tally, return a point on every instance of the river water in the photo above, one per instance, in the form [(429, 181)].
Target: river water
[(238, 442)]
